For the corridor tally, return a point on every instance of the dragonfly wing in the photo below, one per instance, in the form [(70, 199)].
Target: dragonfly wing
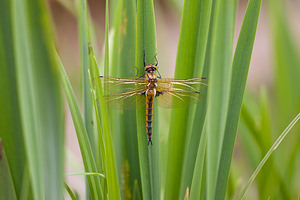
[(121, 85), (126, 100), (192, 84), (123, 93), (173, 99), (180, 92)]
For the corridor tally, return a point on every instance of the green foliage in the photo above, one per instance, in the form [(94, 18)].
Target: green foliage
[(264, 119), (240, 67), (220, 73), (34, 114), (84, 143), (190, 60), (272, 149), (11, 134)]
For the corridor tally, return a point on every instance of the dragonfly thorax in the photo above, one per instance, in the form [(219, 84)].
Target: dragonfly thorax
[(151, 80)]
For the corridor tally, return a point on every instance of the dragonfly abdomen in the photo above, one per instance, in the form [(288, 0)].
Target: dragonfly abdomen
[(149, 116)]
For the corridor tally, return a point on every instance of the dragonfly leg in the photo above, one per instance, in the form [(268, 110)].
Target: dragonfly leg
[(142, 93), (137, 69), (156, 60), (158, 93), (139, 76), (159, 76)]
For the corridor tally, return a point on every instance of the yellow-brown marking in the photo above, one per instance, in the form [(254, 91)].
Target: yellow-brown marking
[(150, 95), (149, 114)]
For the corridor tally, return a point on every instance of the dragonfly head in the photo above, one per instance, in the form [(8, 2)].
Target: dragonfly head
[(150, 68)]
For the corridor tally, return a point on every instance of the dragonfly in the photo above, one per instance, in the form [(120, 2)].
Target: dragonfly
[(129, 93)]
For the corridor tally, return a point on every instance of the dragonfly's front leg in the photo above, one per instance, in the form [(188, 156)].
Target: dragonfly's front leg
[(142, 93), (158, 93)]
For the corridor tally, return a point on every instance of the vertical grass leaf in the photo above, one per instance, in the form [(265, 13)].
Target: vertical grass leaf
[(10, 118), (128, 128), (219, 87), (240, 68), (84, 41), (189, 55), (114, 71), (202, 21), (86, 95), (287, 94), (39, 97), (196, 184), (83, 140), (110, 163)]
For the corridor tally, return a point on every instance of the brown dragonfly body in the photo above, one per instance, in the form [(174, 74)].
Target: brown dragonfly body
[(129, 93), (150, 93)]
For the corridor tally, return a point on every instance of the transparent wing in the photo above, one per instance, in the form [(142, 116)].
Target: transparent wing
[(123, 93), (126, 100), (121, 85), (180, 92)]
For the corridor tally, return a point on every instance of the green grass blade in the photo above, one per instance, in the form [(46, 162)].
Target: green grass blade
[(202, 21), (106, 48), (26, 192), (219, 87), (86, 174), (7, 188), (125, 67), (11, 133), (39, 97), (83, 140), (105, 141), (148, 155), (100, 153), (86, 93), (272, 149), (124, 122), (249, 129), (114, 115), (110, 162), (70, 192), (271, 176), (26, 105), (198, 184), (286, 57), (84, 55), (240, 68), (286, 81), (199, 166), (189, 63), (100, 149)]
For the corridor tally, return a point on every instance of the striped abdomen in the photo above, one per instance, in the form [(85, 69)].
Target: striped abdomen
[(149, 114)]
